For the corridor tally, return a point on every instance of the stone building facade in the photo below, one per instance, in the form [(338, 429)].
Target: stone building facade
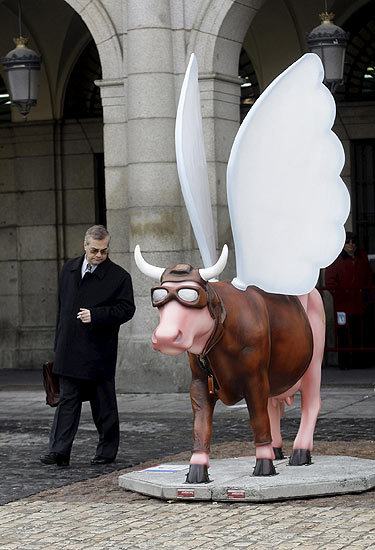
[(74, 162)]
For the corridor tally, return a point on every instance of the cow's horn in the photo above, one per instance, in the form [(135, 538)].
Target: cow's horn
[(215, 270), (146, 268)]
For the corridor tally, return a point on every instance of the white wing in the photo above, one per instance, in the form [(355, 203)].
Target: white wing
[(191, 164), (286, 199)]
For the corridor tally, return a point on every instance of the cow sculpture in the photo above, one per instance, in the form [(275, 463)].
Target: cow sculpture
[(251, 345), (261, 336)]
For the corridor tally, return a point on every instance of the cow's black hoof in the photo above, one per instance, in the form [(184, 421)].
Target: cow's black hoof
[(198, 473), (279, 455), (300, 457), (264, 467)]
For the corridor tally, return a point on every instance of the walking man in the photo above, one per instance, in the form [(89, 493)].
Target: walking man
[(95, 298)]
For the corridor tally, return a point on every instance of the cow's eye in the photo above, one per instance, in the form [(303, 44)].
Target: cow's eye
[(188, 294), (159, 294)]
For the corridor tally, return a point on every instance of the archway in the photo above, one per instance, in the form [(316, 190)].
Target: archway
[(218, 33), (216, 39), (51, 167), (104, 34)]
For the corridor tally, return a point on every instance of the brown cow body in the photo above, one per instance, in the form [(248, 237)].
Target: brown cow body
[(242, 344), (265, 349), (266, 345)]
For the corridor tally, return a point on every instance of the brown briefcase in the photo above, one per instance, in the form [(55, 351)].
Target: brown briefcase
[(51, 385)]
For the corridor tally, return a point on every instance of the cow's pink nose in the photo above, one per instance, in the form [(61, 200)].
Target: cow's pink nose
[(160, 339)]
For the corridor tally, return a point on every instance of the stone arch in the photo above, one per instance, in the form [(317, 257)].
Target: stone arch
[(216, 38), (218, 33), (360, 56), (100, 25), (343, 16)]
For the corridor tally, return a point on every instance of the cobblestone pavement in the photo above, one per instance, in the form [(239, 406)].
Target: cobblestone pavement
[(96, 514), (83, 508), (165, 428)]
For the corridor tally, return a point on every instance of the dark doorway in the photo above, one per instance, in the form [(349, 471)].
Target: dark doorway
[(82, 103), (99, 186), (82, 96), (249, 84), (349, 279)]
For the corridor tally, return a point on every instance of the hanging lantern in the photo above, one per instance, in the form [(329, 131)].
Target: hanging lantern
[(328, 41), (22, 71)]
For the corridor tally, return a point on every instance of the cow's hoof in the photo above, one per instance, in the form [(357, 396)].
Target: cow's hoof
[(279, 455), (198, 473), (300, 457), (264, 467)]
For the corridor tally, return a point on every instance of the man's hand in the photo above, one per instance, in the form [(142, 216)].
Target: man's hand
[(84, 315)]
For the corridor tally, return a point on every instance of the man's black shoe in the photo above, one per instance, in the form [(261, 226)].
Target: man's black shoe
[(55, 458), (100, 460)]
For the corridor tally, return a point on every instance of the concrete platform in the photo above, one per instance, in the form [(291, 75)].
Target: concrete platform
[(231, 480)]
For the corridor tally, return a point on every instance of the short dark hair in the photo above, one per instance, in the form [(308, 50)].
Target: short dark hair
[(350, 236), (97, 232)]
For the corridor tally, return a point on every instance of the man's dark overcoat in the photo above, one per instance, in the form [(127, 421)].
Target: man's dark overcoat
[(89, 350)]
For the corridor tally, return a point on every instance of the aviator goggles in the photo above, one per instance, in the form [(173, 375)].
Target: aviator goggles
[(189, 296)]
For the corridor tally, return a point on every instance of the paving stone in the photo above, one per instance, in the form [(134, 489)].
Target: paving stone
[(83, 508), (25, 422)]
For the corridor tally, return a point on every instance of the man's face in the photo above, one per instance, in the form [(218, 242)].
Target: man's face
[(96, 251)]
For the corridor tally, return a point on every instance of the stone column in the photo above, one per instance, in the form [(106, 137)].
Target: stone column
[(220, 98), (216, 38), (115, 161), (154, 215)]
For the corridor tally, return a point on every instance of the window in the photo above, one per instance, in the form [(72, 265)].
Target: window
[(363, 192)]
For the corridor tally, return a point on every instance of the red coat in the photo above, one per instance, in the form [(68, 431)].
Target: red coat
[(349, 280)]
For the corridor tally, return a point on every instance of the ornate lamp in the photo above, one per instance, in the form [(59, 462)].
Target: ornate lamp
[(328, 41), (22, 71)]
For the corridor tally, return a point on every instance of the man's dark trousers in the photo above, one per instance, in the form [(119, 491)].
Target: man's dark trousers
[(103, 404)]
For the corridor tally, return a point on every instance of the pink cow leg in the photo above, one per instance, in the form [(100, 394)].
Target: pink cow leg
[(310, 385), (275, 413)]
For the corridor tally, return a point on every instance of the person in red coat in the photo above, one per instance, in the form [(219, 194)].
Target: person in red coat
[(350, 280)]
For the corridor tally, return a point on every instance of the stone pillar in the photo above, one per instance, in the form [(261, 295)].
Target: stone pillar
[(115, 161), (220, 99), (154, 196), (216, 38), (154, 214)]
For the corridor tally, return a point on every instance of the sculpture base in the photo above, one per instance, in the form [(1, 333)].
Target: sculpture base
[(231, 480)]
